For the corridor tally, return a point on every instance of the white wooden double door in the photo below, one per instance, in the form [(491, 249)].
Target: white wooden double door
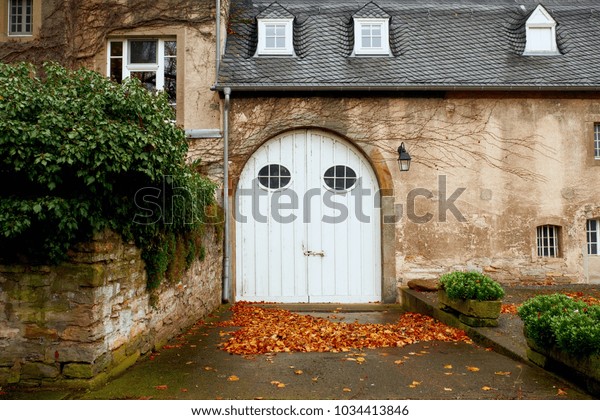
[(308, 223)]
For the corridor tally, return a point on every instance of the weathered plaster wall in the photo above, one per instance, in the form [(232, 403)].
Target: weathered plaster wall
[(81, 322), (523, 159)]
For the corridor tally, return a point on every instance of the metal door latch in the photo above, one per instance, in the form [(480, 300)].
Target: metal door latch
[(314, 253)]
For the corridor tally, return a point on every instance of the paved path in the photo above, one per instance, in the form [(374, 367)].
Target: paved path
[(195, 368)]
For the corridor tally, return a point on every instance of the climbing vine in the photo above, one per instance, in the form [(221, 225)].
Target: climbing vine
[(75, 31)]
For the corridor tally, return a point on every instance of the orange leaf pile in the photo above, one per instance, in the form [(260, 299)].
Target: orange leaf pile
[(590, 300), (509, 308), (267, 330)]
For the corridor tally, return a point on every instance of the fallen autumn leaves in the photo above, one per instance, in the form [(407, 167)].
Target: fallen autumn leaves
[(276, 330)]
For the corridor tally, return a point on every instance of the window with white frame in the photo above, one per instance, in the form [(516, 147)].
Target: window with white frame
[(597, 140), (275, 37), (20, 17), (540, 33), (152, 61), (371, 36), (592, 227), (548, 240)]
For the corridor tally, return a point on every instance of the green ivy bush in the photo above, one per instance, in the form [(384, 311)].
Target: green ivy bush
[(80, 154), (558, 320), (471, 285)]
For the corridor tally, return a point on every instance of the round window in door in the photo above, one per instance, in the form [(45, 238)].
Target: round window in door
[(274, 177), (340, 178)]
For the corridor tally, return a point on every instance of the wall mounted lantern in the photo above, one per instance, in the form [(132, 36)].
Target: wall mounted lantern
[(403, 158)]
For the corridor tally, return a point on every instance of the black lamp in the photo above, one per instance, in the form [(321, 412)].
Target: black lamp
[(403, 158)]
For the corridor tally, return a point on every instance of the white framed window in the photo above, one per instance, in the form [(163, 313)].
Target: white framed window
[(275, 37), (592, 230), (597, 141), (371, 36), (151, 60), (20, 17), (540, 33), (548, 241)]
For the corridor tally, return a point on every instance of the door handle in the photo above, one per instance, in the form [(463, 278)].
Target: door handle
[(314, 253)]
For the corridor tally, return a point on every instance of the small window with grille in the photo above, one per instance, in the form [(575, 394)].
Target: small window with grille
[(548, 241), (340, 178), (592, 227), (274, 177), (20, 17)]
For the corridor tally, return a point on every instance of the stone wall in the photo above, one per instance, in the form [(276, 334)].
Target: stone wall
[(79, 323)]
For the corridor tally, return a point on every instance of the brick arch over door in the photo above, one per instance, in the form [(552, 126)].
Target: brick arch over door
[(308, 225)]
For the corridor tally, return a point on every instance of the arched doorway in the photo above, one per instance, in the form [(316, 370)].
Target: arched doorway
[(308, 222)]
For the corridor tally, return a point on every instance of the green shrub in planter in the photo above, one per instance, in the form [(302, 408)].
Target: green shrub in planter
[(558, 320), (471, 285)]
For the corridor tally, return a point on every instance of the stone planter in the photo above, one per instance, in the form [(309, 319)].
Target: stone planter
[(583, 370), (475, 313)]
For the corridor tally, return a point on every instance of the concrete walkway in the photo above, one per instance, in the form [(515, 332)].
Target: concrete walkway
[(194, 367)]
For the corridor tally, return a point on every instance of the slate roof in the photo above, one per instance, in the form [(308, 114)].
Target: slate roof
[(275, 11), (371, 10), (436, 44)]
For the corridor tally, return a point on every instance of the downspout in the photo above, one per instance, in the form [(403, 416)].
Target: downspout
[(218, 34), (226, 234)]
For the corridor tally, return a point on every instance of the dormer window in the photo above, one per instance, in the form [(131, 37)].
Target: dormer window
[(275, 37), (275, 31), (371, 31), (541, 33)]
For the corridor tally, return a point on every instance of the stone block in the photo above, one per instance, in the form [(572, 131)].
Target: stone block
[(471, 308), (72, 352), (478, 322), (35, 331), (424, 285), (78, 370), (8, 332), (87, 334), (421, 276), (9, 376), (35, 279), (32, 295), (80, 315), (70, 277), (39, 371), (20, 348), (28, 313)]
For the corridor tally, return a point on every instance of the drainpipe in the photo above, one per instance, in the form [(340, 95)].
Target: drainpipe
[(218, 34), (226, 239)]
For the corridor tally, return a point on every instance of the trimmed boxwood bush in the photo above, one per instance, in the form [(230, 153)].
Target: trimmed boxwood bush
[(471, 285), (558, 320)]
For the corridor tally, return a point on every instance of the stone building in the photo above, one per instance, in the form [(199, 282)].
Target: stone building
[(496, 102), (81, 322)]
